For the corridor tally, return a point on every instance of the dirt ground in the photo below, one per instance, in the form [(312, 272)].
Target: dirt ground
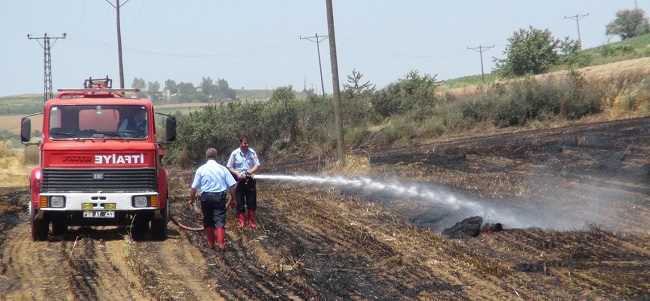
[(579, 197)]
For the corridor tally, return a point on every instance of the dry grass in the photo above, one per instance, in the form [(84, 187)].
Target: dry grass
[(354, 165), (13, 172), (607, 72), (12, 123)]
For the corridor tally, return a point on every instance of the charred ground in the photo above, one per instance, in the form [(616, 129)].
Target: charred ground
[(323, 243)]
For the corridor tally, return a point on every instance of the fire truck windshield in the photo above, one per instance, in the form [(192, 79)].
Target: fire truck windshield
[(98, 122)]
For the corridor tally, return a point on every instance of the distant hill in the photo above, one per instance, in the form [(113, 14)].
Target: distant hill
[(632, 48), (21, 104)]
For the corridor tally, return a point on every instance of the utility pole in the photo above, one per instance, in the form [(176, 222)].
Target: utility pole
[(577, 19), (481, 49), (335, 82), (117, 7), (317, 39), (636, 4), (47, 62)]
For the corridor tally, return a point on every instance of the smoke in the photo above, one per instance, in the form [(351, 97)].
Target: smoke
[(438, 207)]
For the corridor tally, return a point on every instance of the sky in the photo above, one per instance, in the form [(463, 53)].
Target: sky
[(255, 43)]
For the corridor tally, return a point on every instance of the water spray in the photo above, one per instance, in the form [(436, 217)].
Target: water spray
[(439, 197)]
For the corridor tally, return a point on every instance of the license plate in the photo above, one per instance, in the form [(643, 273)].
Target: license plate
[(99, 214)]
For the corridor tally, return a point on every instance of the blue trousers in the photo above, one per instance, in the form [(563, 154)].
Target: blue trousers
[(213, 205)]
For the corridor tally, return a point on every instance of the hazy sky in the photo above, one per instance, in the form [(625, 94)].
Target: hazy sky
[(254, 43)]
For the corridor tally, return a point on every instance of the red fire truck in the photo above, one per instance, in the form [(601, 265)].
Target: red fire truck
[(100, 162)]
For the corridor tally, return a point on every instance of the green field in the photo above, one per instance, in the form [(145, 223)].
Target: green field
[(629, 49), (21, 104)]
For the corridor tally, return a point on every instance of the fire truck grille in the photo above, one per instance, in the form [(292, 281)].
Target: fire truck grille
[(105, 180)]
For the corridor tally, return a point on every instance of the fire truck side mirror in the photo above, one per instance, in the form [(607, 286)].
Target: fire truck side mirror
[(170, 129), (25, 130)]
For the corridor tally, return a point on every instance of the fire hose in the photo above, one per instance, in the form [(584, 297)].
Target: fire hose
[(185, 227)]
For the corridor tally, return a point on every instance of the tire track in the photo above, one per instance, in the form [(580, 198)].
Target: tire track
[(82, 260), (171, 270), (34, 270), (102, 272)]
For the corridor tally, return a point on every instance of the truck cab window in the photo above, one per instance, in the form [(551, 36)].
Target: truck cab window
[(89, 122)]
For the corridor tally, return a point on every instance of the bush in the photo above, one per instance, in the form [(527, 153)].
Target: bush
[(530, 51), (415, 93), (432, 127), (580, 98), (357, 136)]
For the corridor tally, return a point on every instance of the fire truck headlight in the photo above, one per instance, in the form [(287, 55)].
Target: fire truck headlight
[(57, 201), (140, 201)]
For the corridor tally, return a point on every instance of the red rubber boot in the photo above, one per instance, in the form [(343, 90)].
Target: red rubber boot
[(251, 219), (209, 232), (220, 233), (242, 219)]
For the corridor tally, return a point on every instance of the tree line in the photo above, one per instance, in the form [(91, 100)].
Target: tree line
[(412, 106), (208, 90)]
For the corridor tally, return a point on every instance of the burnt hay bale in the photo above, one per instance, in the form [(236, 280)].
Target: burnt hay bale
[(467, 228)]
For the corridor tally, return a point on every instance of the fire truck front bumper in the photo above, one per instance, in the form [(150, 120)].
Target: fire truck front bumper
[(99, 202)]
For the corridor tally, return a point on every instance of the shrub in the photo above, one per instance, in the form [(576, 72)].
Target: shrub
[(530, 51), (414, 93), (355, 137), (580, 98), (432, 127)]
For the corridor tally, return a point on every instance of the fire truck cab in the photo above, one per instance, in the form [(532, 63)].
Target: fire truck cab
[(100, 162)]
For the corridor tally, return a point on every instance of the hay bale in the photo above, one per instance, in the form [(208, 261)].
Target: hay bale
[(467, 228)]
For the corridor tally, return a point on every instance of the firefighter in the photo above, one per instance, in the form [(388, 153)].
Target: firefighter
[(214, 182), (134, 124), (243, 163)]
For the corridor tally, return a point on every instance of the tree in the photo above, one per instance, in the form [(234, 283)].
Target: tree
[(139, 83), (154, 90), (530, 51), (283, 111), (629, 23), (208, 89), (154, 87), (355, 86), (171, 86), (224, 91), (186, 91)]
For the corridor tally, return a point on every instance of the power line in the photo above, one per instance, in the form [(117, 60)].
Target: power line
[(47, 62), (317, 39), (577, 18), (335, 82), (117, 7), (481, 49)]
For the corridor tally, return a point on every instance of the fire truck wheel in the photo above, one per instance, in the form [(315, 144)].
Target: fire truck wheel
[(40, 227), (159, 227), (140, 227), (59, 226)]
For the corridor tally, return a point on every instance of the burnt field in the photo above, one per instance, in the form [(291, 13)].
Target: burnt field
[(574, 203)]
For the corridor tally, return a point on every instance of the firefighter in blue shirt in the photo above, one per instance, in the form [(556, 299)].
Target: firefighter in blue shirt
[(215, 182), (243, 163)]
